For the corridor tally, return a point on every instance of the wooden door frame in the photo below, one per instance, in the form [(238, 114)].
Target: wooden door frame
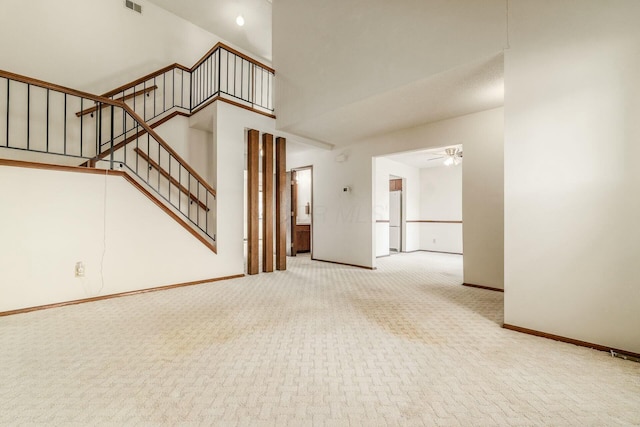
[(294, 208)]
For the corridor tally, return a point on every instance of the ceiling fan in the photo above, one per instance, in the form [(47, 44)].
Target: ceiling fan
[(452, 156)]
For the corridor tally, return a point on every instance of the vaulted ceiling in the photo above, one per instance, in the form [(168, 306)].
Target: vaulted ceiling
[(350, 69), (219, 17)]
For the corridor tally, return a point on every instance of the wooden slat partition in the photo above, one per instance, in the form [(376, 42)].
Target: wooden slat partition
[(281, 203), (253, 156), (267, 203)]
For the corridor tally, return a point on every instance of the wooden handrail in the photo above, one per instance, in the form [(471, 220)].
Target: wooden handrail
[(58, 88), (166, 146), (235, 52), (171, 179), (148, 129), (145, 78), (122, 98), (161, 71)]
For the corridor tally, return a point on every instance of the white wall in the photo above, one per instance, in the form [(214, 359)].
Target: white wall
[(105, 222), (410, 203), (441, 200), (146, 251), (572, 185), (483, 206), (95, 45), (194, 145), (344, 224)]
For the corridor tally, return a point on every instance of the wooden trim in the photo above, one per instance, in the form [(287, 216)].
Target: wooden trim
[(168, 117), (122, 98), (428, 221), (234, 103), (120, 104), (161, 71), (253, 156), (168, 211), (118, 295), (171, 179), (488, 288), (106, 153), (167, 147), (127, 140), (344, 263), (232, 50), (58, 88), (267, 202), (439, 252), (281, 203), (61, 168), (569, 340), (145, 78), (126, 176)]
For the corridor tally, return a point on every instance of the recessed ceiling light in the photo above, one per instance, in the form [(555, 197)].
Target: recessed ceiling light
[(240, 20)]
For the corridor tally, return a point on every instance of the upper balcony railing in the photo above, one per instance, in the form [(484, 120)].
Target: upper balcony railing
[(223, 73)]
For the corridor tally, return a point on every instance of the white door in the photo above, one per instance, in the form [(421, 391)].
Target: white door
[(395, 221)]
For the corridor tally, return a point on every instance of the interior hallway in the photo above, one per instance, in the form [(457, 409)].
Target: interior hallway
[(319, 344)]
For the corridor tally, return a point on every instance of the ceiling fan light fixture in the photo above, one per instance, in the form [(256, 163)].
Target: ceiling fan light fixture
[(453, 156)]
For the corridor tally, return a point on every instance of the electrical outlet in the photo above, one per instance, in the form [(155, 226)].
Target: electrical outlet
[(79, 269)]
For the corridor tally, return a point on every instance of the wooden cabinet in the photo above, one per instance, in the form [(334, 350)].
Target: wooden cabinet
[(395, 184), (303, 238)]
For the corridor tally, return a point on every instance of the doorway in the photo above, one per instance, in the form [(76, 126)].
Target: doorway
[(301, 210), (395, 215)]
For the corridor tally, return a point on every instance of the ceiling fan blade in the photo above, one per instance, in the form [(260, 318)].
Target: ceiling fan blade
[(436, 158)]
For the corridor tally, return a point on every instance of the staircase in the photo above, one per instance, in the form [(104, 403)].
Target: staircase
[(49, 123)]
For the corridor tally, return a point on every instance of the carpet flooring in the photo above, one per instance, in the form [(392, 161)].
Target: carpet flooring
[(320, 344)]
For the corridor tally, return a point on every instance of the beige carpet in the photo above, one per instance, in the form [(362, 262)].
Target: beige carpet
[(320, 344)]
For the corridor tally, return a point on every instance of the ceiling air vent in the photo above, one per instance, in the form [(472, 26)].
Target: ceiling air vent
[(133, 6)]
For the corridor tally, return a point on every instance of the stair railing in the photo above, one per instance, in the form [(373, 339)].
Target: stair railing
[(222, 73), (38, 118)]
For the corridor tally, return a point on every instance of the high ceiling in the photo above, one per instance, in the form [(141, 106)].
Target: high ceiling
[(219, 18), (463, 90), (333, 87)]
